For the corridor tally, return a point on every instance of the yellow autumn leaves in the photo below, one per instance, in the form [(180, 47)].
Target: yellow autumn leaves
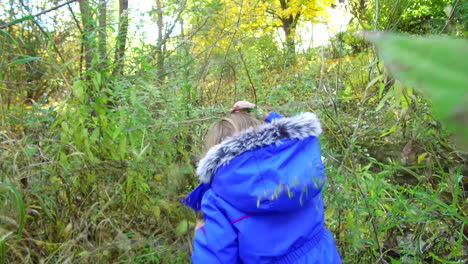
[(232, 21)]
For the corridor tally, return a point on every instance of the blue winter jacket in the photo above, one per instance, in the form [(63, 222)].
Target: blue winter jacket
[(261, 197)]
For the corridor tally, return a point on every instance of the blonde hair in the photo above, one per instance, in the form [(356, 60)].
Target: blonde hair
[(228, 126)]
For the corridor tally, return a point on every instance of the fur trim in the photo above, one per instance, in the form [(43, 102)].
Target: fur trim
[(296, 127)]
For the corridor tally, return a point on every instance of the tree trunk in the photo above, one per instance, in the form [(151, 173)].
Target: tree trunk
[(289, 33), (102, 34), (121, 37), (289, 25), (88, 28), (160, 45)]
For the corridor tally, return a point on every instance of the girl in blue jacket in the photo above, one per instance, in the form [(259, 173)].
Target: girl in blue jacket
[(261, 193)]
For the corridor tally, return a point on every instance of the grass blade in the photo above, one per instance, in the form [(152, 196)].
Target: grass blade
[(21, 207), (22, 61)]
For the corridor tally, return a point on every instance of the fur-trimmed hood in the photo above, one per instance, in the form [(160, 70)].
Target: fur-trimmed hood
[(276, 167), (297, 127)]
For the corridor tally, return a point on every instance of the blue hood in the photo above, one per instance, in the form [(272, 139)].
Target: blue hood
[(274, 178), (276, 167)]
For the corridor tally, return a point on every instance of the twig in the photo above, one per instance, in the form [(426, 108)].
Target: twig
[(176, 123), (322, 85), (75, 19), (376, 14), (8, 82), (296, 104), (248, 76), (58, 70), (450, 16), (48, 37), (228, 48), (36, 15), (38, 165), (169, 30)]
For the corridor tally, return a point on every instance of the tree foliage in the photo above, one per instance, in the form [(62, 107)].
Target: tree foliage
[(289, 13)]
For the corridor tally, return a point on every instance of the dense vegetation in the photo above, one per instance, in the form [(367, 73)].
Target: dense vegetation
[(101, 127)]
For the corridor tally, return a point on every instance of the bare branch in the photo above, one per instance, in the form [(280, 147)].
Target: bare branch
[(248, 76), (36, 15), (450, 16)]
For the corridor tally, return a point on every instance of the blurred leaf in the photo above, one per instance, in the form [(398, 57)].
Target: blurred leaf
[(78, 90), (436, 65), (95, 136), (391, 130), (421, 157), (9, 36), (156, 211), (66, 230), (16, 21), (158, 177), (4, 237), (19, 201), (182, 227), (394, 261), (384, 100), (22, 61), (123, 242), (122, 146), (2, 252), (441, 260), (375, 80)]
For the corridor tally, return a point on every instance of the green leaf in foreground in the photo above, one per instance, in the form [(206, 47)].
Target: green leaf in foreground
[(2, 253), (3, 247), (16, 21), (436, 65), (182, 227), (4, 237), (22, 61), (5, 188), (3, 32)]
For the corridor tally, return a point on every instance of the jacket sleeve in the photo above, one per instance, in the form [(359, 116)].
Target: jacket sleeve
[(216, 241)]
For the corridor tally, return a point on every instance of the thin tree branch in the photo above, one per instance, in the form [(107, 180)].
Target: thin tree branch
[(273, 13), (176, 123), (48, 37), (229, 47), (376, 14), (75, 19), (450, 17), (171, 29), (8, 82), (248, 76), (36, 15), (121, 36)]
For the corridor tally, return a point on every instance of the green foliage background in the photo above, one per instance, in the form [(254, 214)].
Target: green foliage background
[(94, 161)]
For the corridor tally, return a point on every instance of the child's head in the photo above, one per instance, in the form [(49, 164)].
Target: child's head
[(230, 125)]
